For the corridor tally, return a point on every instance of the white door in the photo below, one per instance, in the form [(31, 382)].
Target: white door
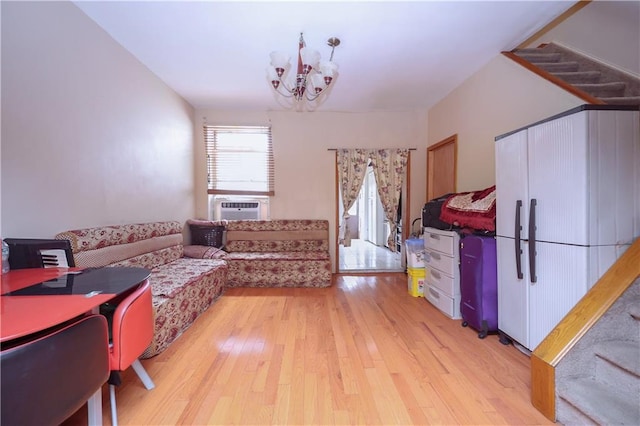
[(561, 271), (511, 202), (382, 224), (558, 179), (371, 195), (511, 183), (513, 292)]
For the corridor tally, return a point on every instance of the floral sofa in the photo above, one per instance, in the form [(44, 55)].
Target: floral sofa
[(182, 288), (273, 253)]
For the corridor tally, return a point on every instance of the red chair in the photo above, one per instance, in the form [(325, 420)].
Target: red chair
[(48, 376), (131, 333)]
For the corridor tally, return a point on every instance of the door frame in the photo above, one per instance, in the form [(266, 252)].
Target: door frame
[(406, 203)]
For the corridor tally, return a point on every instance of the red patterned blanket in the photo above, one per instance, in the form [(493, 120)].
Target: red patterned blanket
[(476, 209)]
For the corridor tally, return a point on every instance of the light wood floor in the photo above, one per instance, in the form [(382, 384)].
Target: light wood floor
[(360, 352)]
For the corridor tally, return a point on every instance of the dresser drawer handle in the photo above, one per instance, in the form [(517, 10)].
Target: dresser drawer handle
[(434, 293), (436, 256), (436, 275), (434, 236)]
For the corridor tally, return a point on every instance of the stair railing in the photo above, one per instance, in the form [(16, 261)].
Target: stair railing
[(576, 324)]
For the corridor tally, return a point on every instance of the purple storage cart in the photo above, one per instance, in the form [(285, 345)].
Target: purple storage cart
[(479, 284)]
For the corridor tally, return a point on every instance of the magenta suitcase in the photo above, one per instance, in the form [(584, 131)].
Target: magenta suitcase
[(479, 284)]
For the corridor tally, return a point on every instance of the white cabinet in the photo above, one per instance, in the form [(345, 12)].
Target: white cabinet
[(567, 197), (442, 270)]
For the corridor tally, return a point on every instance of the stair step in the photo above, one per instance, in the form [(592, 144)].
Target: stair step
[(601, 403), (618, 364), (535, 57), (553, 67), (529, 50), (627, 100), (583, 73), (599, 90), (626, 355), (634, 310), (579, 77)]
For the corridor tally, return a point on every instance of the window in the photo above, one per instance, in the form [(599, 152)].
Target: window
[(239, 160)]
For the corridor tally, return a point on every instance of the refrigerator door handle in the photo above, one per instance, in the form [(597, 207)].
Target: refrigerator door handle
[(518, 244), (532, 240)]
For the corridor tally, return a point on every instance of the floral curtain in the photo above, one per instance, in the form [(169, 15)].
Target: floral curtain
[(389, 166), (352, 167)]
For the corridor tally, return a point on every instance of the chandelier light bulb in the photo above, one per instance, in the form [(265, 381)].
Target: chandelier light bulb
[(318, 83), (279, 61), (274, 76), (310, 59), (328, 68)]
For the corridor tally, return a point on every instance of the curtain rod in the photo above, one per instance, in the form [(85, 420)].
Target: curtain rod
[(335, 149)]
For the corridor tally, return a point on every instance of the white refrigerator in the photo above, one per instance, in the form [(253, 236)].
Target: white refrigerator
[(567, 199)]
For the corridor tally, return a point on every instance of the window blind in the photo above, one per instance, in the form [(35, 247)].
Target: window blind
[(239, 160)]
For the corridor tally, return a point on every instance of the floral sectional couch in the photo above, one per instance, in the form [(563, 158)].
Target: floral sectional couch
[(186, 280), (182, 288), (272, 253)]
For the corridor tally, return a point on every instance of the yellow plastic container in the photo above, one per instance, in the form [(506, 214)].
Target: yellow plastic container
[(415, 283)]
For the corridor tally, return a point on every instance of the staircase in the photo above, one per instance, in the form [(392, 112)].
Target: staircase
[(598, 381), (590, 79)]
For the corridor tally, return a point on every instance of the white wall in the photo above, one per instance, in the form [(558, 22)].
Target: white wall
[(501, 97), (607, 30), (305, 178), (89, 135)]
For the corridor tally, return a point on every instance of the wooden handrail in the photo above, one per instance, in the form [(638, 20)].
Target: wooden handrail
[(576, 324), (555, 80)]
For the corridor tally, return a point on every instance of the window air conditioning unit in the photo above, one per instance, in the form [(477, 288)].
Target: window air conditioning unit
[(240, 209), (233, 210)]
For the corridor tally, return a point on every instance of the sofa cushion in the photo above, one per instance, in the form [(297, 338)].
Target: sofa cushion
[(249, 245), (148, 260), (95, 238), (278, 235), (173, 277), (174, 315), (141, 244), (278, 273), (278, 225)]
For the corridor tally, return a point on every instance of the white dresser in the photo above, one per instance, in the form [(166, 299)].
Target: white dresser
[(442, 271)]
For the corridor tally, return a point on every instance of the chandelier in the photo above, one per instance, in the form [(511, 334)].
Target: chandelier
[(313, 76)]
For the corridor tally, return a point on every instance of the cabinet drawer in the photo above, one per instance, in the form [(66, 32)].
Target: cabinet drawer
[(437, 260), (444, 243), (450, 306), (445, 283)]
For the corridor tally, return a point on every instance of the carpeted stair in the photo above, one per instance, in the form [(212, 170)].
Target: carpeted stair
[(598, 382), (592, 77)]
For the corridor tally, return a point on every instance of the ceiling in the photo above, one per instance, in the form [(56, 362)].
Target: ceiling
[(393, 55)]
